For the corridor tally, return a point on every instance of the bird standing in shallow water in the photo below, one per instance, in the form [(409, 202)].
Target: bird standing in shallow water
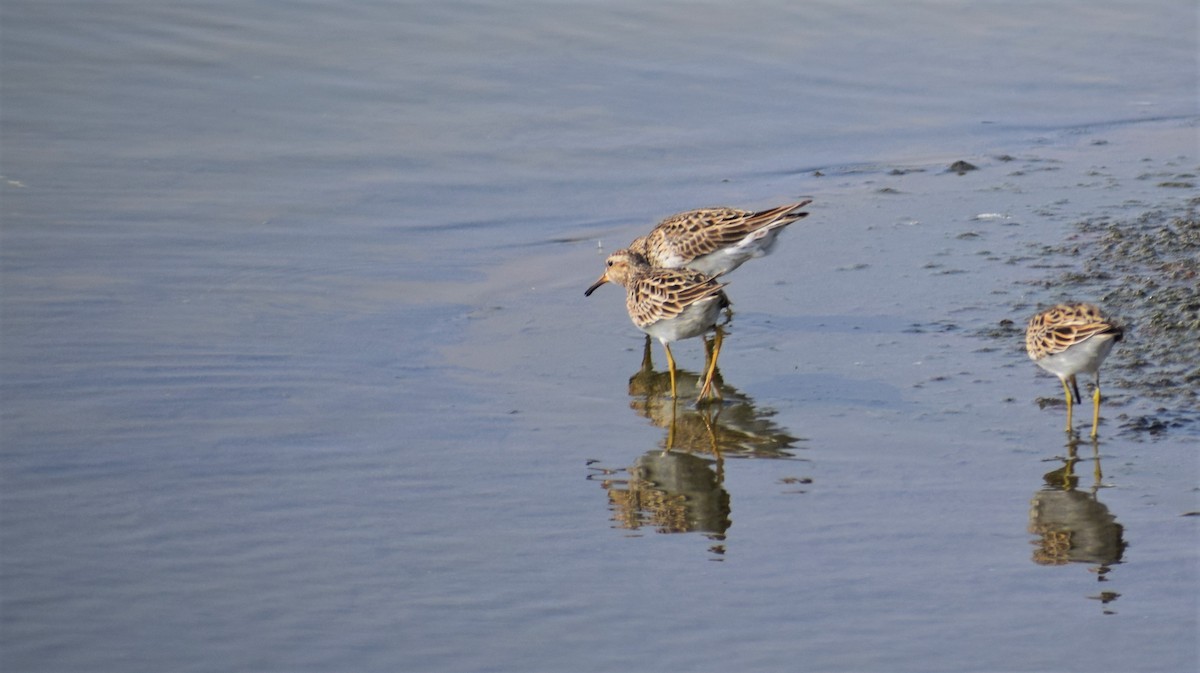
[(1071, 339), (714, 241), (669, 305)]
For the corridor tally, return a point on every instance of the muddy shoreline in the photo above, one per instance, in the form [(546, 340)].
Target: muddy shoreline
[(1145, 271)]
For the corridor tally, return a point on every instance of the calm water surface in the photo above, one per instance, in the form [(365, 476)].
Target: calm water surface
[(297, 373)]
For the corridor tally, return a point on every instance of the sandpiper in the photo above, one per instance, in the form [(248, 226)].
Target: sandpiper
[(669, 305), (1070, 339), (715, 241)]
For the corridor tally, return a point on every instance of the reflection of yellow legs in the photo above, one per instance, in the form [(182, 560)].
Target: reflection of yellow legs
[(671, 430), (1069, 478), (714, 444), (1065, 478), (710, 425), (709, 389)]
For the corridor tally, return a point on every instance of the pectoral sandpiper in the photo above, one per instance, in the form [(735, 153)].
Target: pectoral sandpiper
[(1070, 339), (668, 304), (715, 241)]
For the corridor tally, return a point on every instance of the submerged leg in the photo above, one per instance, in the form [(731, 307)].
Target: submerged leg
[(709, 389), (670, 366)]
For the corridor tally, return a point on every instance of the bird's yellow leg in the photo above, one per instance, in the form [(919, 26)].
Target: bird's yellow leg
[(709, 389), (1096, 409), (1069, 404), (718, 339), (670, 367)]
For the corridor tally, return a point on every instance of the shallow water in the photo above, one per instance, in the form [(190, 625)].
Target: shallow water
[(297, 372)]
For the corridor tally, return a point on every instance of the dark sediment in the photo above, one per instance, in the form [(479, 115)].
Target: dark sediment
[(1145, 272)]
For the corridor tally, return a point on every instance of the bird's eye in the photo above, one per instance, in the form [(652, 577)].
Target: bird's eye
[(610, 262)]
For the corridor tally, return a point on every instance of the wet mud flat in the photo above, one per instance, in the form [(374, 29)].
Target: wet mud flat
[(1145, 271)]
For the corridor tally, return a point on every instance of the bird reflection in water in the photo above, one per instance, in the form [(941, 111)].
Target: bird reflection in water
[(674, 493), (733, 426), (679, 487), (1072, 525)]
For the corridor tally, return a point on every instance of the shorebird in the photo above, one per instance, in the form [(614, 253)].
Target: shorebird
[(715, 241), (1071, 339), (669, 305)]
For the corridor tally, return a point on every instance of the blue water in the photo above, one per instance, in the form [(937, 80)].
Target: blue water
[(297, 374)]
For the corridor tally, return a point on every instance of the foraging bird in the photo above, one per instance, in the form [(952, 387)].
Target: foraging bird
[(668, 304), (715, 241), (1071, 339)]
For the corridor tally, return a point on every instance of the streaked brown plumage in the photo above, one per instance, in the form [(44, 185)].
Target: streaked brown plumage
[(715, 241), (1071, 339), (668, 304)]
